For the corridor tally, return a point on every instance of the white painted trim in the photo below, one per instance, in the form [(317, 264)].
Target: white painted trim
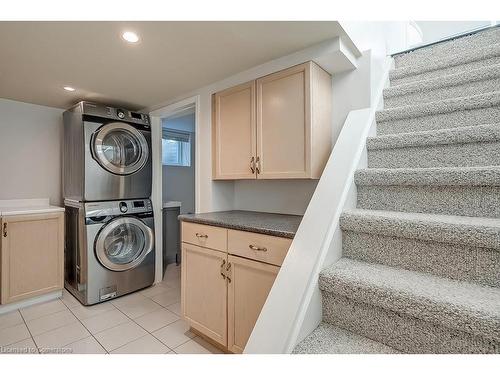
[(30, 301), (293, 307), (157, 189)]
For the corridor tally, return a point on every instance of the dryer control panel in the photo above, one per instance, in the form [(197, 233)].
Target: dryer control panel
[(99, 110)]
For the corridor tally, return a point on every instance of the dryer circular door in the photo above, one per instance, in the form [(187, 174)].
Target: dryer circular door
[(123, 243), (120, 148)]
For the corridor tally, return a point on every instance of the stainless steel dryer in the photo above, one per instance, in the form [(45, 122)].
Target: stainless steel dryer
[(109, 248), (107, 153)]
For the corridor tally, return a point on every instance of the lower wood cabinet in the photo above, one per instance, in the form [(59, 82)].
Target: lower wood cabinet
[(204, 291), (32, 255), (222, 292), (247, 292)]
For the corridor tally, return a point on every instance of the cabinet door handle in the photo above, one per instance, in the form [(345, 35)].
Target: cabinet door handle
[(223, 270), (252, 164), (257, 162), (5, 229), (199, 235), (228, 272), (257, 248)]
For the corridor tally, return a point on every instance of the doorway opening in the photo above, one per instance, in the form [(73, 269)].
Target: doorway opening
[(178, 164), (175, 178)]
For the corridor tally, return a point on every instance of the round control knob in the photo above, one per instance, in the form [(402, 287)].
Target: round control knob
[(123, 207), (120, 113)]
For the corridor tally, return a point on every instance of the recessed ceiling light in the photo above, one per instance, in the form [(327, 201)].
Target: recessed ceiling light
[(68, 88), (130, 37)]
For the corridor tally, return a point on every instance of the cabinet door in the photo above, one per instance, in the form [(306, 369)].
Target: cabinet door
[(234, 132), (32, 255), (204, 291), (248, 288), (284, 123)]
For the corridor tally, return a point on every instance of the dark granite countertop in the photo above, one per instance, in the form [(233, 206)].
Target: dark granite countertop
[(251, 221)]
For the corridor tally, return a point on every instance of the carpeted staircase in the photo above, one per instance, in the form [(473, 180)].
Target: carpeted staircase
[(420, 271)]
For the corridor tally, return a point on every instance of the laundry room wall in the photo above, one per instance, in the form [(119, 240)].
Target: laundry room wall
[(30, 151)]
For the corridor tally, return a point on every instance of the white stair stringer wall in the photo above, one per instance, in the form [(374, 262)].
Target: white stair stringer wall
[(293, 308)]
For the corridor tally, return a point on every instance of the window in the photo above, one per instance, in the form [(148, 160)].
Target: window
[(176, 148)]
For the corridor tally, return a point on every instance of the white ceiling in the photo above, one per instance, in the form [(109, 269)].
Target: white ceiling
[(38, 58)]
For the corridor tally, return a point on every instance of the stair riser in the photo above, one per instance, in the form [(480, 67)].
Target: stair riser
[(432, 95), (453, 261), (454, 69), (446, 200), (478, 116), (451, 155), (400, 331), (455, 47)]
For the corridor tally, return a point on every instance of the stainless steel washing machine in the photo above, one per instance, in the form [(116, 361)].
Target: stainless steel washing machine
[(109, 248), (107, 153)]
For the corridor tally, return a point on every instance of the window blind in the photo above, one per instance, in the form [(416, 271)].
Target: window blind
[(176, 135)]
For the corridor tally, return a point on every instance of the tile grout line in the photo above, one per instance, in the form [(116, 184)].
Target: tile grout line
[(86, 329), (147, 332), (128, 317), (29, 331)]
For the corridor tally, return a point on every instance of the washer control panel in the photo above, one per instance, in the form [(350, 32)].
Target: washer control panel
[(115, 208), (123, 207)]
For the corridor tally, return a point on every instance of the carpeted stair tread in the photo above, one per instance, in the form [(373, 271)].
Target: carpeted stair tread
[(461, 44), (480, 74), (453, 304), (448, 64), (485, 100), (443, 176), (466, 134), (329, 339), (474, 231)]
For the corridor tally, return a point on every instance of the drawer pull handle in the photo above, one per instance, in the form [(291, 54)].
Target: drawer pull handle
[(257, 248), (252, 164), (199, 235), (5, 229)]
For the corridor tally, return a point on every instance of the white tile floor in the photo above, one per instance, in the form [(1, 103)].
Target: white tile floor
[(147, 321)]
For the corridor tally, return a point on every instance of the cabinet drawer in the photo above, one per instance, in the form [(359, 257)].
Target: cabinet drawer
[(264, 248), (205, 236)]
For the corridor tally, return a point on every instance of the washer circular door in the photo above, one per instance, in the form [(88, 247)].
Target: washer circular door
[(123, 243), (120, 148)]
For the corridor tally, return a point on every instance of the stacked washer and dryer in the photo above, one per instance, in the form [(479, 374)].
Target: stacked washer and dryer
[(109, 249)]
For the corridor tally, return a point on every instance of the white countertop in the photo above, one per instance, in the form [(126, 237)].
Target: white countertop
[(27, 206), (169, 204)]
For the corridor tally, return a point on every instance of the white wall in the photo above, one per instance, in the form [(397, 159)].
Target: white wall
[(179, 182), (435, 30), (279, 196), (30, 151)]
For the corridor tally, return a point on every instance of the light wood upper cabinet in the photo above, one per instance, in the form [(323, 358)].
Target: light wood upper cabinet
[(32, 255), (292, 132), (204, 291), (234, 132), (250, 284), (283, 124)]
